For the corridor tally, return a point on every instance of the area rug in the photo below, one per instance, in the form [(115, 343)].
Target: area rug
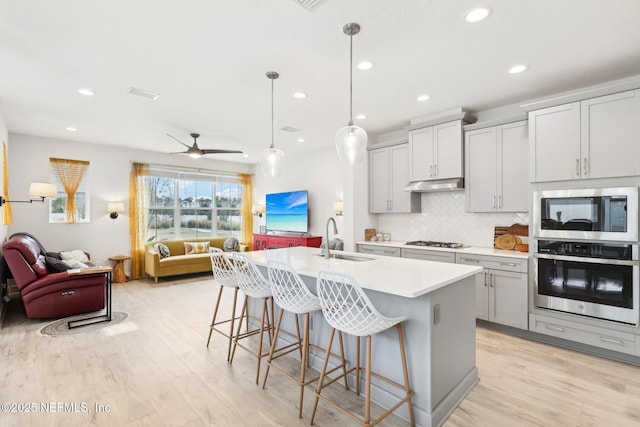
[(61, 327)]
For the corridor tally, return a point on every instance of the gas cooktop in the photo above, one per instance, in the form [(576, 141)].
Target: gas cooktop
[(435, 244)]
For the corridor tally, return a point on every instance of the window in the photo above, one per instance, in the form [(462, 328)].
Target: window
[(186, 205), (71, 179)]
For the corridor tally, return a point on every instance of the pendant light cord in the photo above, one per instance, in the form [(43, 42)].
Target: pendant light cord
[(351, 80), (272, 144)]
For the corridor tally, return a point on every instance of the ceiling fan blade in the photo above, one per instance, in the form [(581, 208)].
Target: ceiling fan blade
[(218, 151), (179, 152), (177, 140)]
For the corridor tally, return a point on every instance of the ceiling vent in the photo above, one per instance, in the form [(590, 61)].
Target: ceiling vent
[(143, 93), (290, 129), (310, 5)]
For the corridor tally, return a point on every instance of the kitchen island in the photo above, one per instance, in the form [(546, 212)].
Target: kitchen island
[(439, 302)]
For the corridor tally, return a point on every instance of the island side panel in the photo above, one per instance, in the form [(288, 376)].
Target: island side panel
[(452, 339)]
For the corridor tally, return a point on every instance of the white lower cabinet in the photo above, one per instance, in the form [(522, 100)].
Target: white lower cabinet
[(379, 250), (501, 290), (428, 255), (622, 342)]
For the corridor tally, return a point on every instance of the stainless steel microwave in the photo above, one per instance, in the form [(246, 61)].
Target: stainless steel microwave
[(587, 214)]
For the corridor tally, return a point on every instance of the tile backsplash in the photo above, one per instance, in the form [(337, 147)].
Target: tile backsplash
[(443, 218)]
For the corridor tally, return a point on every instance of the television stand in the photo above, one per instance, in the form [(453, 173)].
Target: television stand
[(273, 241)]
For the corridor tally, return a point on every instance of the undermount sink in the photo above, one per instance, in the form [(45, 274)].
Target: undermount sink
[(348, 257)]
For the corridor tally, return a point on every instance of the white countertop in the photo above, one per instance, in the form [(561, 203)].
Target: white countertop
[(403, 277), (477, 250)]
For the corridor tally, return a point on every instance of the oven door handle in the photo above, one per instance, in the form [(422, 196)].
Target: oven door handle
[(588, 260)]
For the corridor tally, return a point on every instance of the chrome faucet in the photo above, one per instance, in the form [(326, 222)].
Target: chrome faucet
[(326, 252)]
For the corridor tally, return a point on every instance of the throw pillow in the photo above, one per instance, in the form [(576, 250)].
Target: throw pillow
[(56, 265), (74, 255), (162, 249), (231, 245), (192, 248)]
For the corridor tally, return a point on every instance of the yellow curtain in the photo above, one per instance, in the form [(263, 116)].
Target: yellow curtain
[(138, 217), (70, 174), (247, 216), (7, 216)]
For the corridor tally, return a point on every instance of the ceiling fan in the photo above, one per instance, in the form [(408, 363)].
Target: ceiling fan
[(197, 152)]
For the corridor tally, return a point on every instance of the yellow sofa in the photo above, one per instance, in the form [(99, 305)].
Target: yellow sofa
[(177, 262)]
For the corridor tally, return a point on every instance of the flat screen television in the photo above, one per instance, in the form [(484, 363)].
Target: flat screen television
[(288, 211)]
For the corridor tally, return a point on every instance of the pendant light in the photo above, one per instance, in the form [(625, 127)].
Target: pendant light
[(351, 141), (272, 158)]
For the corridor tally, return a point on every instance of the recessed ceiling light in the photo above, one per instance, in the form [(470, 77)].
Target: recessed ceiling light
[(86, 92), (517, 69), (71, 129), (423, 98), (477, 15), (361, 116), (365, 65), (300, 95), (300, 140), (245, 155)]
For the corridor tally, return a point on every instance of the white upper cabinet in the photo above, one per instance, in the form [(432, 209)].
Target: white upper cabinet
[(594, 138), (388, 175), (496, 178), (436, 152), (610, 136)]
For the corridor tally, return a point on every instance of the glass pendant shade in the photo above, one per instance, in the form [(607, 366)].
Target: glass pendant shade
[(351, 144), (271, 161)]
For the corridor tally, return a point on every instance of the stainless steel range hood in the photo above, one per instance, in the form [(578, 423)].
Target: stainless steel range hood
[(436, 185)]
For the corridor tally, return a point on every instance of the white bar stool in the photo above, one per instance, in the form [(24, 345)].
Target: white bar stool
[(253, 285), (347, 309), (292, 295), (225, 275)]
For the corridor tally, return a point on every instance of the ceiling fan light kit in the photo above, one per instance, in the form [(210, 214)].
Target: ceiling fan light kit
[(351, 141), (272, 158)]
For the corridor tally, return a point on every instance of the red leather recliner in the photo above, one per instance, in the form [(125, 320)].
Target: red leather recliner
[(46, 294)]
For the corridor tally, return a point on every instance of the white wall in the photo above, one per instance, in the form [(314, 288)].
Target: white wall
[(4, 137), (109, 172), (327, 180)]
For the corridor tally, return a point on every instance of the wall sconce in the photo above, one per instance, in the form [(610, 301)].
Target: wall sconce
[(43, 190), (258, 210), (115, 208), (338, 207)]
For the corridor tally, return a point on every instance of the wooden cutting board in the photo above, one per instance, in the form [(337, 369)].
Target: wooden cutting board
[(512, 233)]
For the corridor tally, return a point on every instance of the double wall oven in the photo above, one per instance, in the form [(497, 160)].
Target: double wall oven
[(586, 252)]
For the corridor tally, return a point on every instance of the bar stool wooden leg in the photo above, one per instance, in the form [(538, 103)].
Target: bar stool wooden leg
[(367, 386), (405, 370), (322, 374), (215, 314)]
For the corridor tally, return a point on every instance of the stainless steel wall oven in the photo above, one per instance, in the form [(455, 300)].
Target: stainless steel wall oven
[(589, 278)]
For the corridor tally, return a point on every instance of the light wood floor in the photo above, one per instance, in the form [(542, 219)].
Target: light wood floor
[(155, 370)]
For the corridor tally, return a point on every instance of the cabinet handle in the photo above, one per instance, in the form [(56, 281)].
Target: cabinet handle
[(485, 279), (499, 202), (578, 167), (470, 260), (555, 328), (612, 341), (493, 206), (388, 252), (510, 264), (390, 205), (586, 167), (492, 279), (431, 170), (435, 170)]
